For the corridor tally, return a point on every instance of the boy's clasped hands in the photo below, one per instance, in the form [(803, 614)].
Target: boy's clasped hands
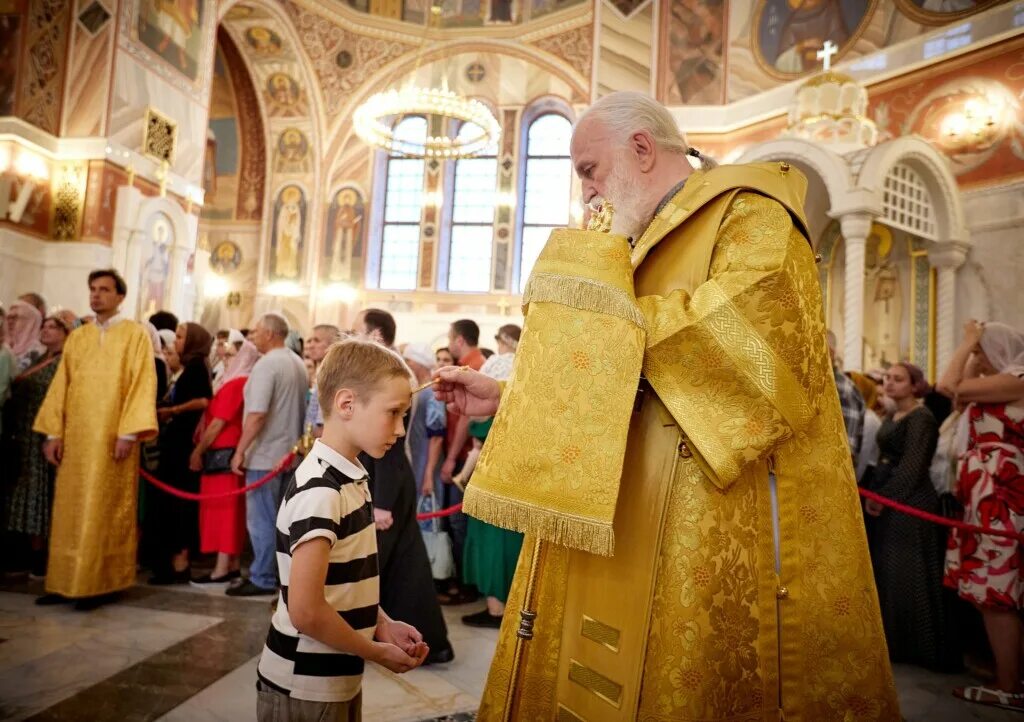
[(399, 646)]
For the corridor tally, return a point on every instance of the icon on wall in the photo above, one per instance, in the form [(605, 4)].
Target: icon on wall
[(226, 257)]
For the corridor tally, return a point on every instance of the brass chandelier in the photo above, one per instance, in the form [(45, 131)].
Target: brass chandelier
[(376, 119)]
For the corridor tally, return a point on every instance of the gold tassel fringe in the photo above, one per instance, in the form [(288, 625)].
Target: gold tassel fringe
[(588, 535), (583, 294)]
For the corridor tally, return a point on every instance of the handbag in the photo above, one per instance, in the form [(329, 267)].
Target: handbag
[(438, 543), (217, 461), (945, 462)]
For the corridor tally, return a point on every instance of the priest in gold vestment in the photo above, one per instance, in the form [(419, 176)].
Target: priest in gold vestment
[(101, 402), (672, 444)]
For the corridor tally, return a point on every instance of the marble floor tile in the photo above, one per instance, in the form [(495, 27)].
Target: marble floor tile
[(54, 652), (190, 656)]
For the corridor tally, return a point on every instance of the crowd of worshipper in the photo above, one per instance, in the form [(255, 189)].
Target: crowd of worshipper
[(231, 405), (950, 598)]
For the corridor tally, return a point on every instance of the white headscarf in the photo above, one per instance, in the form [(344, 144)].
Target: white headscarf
[(1004, 347), (240, 365), (154, 338)]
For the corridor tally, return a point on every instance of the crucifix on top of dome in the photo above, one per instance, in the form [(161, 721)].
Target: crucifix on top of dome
[(826, 53)]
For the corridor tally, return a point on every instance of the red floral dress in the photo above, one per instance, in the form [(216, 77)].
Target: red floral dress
[(985, 569)]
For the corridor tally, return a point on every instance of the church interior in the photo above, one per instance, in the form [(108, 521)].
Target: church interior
[(236, 157)]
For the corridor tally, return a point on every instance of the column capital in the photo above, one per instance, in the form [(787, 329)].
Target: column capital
[(856, 226), (948, 254)]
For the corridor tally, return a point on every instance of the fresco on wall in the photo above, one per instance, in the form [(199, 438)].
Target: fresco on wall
[(284, 96), (292, 154), (787, 34), (342, 260), (264, 41), (692, 33), (539, 8), (157, 268), (171, 28), (287, 241), (226, 257), (940, 12), (9, 46)]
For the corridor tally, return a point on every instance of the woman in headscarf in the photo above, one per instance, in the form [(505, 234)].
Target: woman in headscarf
[(23, 324), (8, 364), (28, 478), (222, 521), (175, 521), (987, 373), (907, 552)]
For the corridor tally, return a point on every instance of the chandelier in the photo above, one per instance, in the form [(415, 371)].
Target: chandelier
[(374, 122), (376, 119)]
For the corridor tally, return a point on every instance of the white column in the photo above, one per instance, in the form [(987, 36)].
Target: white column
[(855, 228), (946, 257)]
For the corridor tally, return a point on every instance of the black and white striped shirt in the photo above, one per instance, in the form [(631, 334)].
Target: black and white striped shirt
[(328, 497)]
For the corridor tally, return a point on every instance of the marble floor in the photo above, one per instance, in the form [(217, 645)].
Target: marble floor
[(189, 655)]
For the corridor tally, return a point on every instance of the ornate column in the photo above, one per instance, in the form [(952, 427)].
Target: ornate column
[(855, 228), (946, 257)]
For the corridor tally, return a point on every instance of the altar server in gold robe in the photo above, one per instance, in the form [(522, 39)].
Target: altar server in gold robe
[(672, 444), (101, 402)]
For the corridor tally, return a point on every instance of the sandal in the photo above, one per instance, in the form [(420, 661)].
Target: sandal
[(991, 697)]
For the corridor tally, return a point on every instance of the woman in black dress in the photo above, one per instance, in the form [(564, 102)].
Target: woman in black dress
[(906, 552), (174, 522), (406, 585)]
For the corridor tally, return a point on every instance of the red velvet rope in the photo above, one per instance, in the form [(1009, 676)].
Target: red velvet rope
[(439, 513), (935, 518), (281, 466)]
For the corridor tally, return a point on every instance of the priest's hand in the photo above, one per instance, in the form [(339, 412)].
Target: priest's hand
[(53, 450), (122, 448), (467, 392)]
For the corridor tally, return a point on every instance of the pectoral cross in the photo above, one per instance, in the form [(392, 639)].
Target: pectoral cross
[(826, 53)]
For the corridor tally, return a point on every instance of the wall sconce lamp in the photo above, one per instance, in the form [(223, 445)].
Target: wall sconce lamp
[(339, 292), (31, 169)]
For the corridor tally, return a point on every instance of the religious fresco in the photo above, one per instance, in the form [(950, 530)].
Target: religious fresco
[(478, 13), (692, 39), (287, 242), (342, 259), (235, 178), (292, 154), (264, 41), (10, 44), (172, 29), (970, 108), (226, 257), (156, 269), (787, 34), (284, 96), (940, 12)]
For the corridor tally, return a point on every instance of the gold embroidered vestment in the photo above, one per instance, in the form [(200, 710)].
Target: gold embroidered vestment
[(689, 619)]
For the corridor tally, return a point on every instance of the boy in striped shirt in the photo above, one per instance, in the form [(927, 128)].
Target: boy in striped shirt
[(328, 620)]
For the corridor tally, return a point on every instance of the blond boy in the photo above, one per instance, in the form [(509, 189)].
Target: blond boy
[(328, 620)]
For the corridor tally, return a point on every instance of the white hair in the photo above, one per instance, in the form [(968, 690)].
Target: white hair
[(275, 323), (626, 112)]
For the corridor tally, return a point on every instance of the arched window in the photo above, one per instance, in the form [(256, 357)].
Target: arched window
[(547, 187), (472, 226), (403, 205)]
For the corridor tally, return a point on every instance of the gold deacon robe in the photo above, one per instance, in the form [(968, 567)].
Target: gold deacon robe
[(104, 388), (653, 517)]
